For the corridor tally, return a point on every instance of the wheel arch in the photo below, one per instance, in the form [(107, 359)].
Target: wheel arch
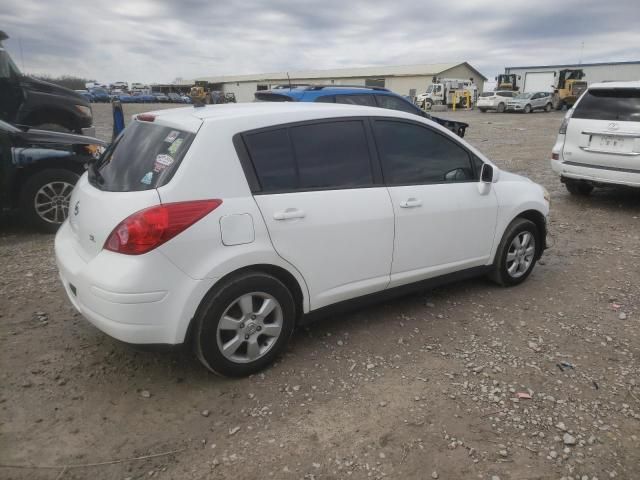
[(24, 174), (280, 273), (540, 222)]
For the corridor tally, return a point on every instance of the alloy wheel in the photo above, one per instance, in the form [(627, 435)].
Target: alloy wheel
[(521, 254), (249, 327), (51, 201)]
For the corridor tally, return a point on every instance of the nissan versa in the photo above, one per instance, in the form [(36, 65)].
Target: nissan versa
[(226, 226)]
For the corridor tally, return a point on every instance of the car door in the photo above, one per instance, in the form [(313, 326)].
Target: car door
[(444, 218), (327, 212)]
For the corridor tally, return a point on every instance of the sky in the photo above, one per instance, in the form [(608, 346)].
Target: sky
[(156, 41)]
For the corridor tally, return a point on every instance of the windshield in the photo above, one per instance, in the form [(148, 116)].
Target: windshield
[(429, 89), (487, 94), (8, 69), (524, 95), (100, 91), (145, 156), (621, 104)]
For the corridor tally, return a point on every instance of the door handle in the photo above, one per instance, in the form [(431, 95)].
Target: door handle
[(411, 203), (289, 213)]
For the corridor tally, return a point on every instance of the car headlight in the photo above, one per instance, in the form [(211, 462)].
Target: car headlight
[(86, 111)]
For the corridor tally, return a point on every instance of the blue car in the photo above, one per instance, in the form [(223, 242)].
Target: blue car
[(100, 95), (354, 95), (126, 98)]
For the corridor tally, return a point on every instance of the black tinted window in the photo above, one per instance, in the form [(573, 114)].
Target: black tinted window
[(326, 99), (395, 103), (366, 100), (621, 104), (272, 159), (413, 154), (145, 156), (332, 155)]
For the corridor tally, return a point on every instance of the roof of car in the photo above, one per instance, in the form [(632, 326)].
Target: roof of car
[(631, 84), (269, 112)]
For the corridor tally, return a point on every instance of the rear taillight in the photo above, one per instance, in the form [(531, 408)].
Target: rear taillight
[(147, 229), (565, 122), (555, 156)]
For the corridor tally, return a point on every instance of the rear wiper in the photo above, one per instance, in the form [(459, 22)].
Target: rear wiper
[(94, 173)]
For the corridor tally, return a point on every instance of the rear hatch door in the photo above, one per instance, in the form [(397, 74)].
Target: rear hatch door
[(125, 180), (604, 129)]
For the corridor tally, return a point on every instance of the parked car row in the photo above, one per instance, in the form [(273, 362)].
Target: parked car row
[(510, 101), (153, 97)]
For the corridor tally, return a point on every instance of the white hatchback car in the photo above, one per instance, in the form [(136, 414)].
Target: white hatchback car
[(599, 139), (225, 226)]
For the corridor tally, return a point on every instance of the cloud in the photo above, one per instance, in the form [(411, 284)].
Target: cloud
[(157, 41)]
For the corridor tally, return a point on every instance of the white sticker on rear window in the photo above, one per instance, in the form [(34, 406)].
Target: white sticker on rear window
[(163, 159), (172, 136), (147, 178)]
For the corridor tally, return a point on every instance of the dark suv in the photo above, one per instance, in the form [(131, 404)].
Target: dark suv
[(30, 102), (354, 95), (38, 170)]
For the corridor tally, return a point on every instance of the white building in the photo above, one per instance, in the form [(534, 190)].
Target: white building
[(404, 79), (543, 77)]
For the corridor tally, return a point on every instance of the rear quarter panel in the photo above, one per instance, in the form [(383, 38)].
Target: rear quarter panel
[(211, 169)]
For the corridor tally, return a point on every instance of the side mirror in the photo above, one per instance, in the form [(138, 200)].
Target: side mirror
[(486, 174)]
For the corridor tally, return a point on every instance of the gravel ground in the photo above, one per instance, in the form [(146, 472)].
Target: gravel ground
[(425, 386)]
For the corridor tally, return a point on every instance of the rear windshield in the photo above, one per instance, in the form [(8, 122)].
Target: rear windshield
[(487, 94), (621, 104), (145, 156)]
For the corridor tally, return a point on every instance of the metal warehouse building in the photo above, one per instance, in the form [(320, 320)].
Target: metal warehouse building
[(405, 79), (542, 78)]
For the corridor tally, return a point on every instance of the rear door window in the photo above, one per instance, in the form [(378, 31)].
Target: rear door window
[(327, 155), (395, 103), (619, 104), (145, 156), (364, 100), (326, 99), (332, 155), (273, 160)]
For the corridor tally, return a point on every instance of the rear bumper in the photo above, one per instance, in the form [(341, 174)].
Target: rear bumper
[(597, 173), (142, 299)]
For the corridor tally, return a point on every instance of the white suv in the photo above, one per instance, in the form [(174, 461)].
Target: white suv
[(495, 100), (225, 226), (599, 139)]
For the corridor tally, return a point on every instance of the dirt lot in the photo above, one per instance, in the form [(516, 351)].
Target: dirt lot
[(421, 387)]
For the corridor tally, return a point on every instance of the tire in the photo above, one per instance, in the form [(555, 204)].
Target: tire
[(222, 308), (483, 110), (44, 198), (524, 259), (548, 107), (527, 109), (501, 107), (428, 104), (578, 188)]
